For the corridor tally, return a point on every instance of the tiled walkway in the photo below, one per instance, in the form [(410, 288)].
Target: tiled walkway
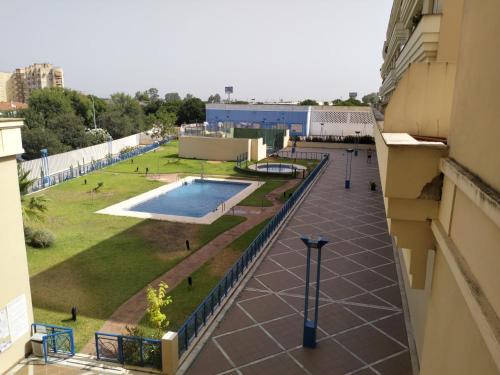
[(361, 324)]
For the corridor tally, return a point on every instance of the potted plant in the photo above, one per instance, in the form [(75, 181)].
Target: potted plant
[(373, 186)]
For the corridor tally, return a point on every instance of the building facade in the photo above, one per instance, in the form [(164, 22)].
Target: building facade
[(440, 174), (16, 313), (18, 86), (299, 120)]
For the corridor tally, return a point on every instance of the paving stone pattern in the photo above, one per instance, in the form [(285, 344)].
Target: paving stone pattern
[(361, 325)]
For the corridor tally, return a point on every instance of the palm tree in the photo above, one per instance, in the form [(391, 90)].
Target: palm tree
[(34, 207)]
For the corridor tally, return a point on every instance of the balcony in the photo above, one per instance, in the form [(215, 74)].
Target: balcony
[(422, 46), (411, 182), (10, 137)]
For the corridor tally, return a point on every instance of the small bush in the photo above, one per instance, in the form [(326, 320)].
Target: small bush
[(42, 239), (128, 149), (28, 234)]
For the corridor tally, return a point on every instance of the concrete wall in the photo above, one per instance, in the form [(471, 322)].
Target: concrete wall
[(258, 149), (14, 277), (475, 133), (426, 86), (458, 332), (209, 148)]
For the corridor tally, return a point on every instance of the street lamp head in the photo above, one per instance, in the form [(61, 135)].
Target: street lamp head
[(318, 244)]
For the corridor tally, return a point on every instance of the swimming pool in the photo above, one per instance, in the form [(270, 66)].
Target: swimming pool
[(283, 168), (196, 198), (190, 200)]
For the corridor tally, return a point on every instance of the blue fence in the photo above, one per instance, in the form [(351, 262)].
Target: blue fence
[(128, 350), (80, 170), (57, 341), (189, 330)]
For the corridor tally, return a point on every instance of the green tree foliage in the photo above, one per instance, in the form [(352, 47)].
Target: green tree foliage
[(308, 102), (191, 111), (172, 97), (124, 116), (371, 98), (49, 102), (35, 139), (34, 207), (158, 300), (214, 99), (69, 129), (351, 102)]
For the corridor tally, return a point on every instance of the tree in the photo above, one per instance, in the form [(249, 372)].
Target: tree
[(69, 129), (188, 96), (308, 102), (371, 98), (33, 209), (124, 116), (38, 138), (49, 102), (214, 98), (191, 111), (326, 103), (172, 97), (158, 300)]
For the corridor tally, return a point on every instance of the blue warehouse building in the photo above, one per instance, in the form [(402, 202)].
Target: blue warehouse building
[(273, 116)]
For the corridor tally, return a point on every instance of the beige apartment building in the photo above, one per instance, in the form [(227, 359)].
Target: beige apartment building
[(439, 161), (18, 86), (16, 313)]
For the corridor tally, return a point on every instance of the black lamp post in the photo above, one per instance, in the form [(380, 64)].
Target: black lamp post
[(348, 166), (356, 144), (310, 326)]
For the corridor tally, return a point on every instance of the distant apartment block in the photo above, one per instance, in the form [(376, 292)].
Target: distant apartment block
[(17, 86)]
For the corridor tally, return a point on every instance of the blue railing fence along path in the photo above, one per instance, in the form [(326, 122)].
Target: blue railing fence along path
[(128, 350), (191, 327), (57, 341), (80, 170)]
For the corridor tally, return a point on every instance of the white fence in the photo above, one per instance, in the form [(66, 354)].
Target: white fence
[(82, 156), (341, 121)]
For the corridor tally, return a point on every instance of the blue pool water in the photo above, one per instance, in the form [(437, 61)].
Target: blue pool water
[(196, 199)]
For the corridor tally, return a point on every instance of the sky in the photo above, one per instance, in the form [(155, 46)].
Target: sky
[(265, 49)]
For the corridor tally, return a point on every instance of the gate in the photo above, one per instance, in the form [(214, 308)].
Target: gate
[(128, 350), (57, 341)]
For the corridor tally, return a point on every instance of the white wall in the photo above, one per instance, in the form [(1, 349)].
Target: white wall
[(62, 162), (341, 121)]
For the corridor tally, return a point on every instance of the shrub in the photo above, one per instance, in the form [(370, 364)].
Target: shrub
[(42, 239), (127, 149), (28, 234)]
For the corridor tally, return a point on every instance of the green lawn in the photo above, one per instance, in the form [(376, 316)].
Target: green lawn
[(166, 160), (258, 197), (100, 261), (185, 299)]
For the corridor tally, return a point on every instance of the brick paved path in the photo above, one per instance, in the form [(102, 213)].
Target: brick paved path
[(132, 311), (361, 324)]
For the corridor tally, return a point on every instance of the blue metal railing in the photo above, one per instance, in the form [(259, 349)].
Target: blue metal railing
[(57, 341), (190, 328), (128, 350), (80, 170)]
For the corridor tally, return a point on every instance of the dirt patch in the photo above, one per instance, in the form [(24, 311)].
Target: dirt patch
[(214, 162), (168, 237), (167, 177)]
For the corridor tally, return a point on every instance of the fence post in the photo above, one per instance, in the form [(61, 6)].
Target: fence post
[(121, 359), (170, 352)]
